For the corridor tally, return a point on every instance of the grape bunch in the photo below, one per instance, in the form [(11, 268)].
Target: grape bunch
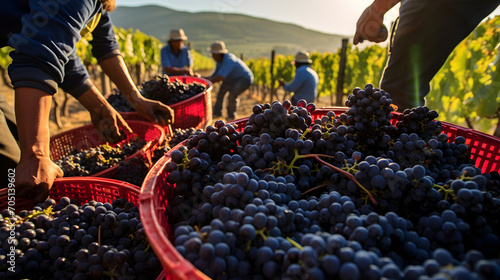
[(160, 89), (218, 139), (119, 102), (97, 159), (274, 119), (440, 154), (420, 120), (288, 195), (65, 241), (368, 120), (180, 135), (170, 92), (132, 171)]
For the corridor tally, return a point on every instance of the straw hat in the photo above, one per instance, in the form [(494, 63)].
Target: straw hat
[(218, 47), (177, 34), (302, 57)]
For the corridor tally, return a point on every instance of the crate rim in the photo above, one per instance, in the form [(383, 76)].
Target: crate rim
[(149, 144), (162, 137), (60, 182), (208, 89), (164, 249)]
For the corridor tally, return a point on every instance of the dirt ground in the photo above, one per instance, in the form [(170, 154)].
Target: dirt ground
[(76, 115)]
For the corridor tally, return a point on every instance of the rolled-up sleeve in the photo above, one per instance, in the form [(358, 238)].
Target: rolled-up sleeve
[(46, 41), (104, 44), (77, 80)]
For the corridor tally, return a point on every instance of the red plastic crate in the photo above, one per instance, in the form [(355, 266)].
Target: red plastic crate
[(86, 137), (83, 189), (193, 112), (484, 148), (156, 191)]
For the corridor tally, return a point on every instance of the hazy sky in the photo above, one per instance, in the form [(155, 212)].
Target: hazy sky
[(331, 16)]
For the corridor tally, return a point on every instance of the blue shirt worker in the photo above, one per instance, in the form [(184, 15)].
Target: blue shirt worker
[(44, 36), (176, 58), (306, 81), (235, 76)]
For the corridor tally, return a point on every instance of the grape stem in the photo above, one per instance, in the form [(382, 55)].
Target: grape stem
[(294, 243), (444, 189), (35, 214), (261, 233), (315, 188), (304, 134), (316, 157), (99, 236)]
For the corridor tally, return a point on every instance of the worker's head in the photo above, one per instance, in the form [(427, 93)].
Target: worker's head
[(218, 50), (108, 5), (176, 39), (302, 58)]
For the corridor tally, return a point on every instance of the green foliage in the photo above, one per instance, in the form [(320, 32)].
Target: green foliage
[(135, 47), (361, 67), (201, 62), (468, 84)]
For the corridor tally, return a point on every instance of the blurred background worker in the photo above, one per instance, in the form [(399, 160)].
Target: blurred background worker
[(423, 37), (306, 81), (234, 74), (176, 58)]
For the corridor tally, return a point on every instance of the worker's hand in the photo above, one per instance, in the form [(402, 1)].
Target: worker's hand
[(281, 82), (370, 27), (35, 172), (110, 124), (155, 111), (35, 177)]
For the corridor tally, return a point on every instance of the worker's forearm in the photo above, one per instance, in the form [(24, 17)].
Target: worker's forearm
[(216, 79), (115, 68), (382, 6), (32, 114), (93, 100), (177, 70)]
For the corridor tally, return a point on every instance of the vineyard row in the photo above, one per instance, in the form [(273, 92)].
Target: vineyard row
[(465, 91)]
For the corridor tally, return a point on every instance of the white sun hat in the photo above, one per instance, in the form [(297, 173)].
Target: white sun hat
[(177, 34), (302, 57), (218, 47)]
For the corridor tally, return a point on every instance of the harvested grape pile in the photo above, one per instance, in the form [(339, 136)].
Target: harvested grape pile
[(97, 159), (160, 89), (341, 196), (134, 171), (66, 241)]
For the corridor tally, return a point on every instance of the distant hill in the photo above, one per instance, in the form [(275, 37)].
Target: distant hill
[(250, 36)]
